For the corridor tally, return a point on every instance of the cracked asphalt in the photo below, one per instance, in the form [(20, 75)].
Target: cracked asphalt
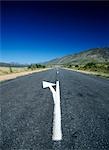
[(27, 112)]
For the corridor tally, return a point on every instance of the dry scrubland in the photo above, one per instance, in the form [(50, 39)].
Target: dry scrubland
[(8, 70), (92, 68), (7, 73)]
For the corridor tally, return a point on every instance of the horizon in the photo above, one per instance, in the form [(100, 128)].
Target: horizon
[(18, 63), (35, 32)]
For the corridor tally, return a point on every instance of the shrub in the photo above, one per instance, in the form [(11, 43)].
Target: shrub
[(90, 65), (10, 69), (69, 66), (35, 66), (76, 66)]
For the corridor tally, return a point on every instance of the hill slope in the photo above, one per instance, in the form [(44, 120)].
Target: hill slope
[(97, 55)]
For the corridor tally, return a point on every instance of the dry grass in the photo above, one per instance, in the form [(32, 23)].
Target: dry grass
[(106, 75), (6, 70), (5, 73)]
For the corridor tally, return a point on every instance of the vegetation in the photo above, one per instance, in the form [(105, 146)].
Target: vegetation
[(9, 69), (96, 55), (35, 66), (76, 66), (99, 69), (103, 67), (94, 61)]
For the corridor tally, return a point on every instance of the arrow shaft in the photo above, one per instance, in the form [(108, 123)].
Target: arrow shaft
[(57, 131)]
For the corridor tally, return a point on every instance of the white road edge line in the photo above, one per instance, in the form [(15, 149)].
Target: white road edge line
[(57, 131)]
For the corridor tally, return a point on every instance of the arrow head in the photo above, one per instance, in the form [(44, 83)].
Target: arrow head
[(47, 84)]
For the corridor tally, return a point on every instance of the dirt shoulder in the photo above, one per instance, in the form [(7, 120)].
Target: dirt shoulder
[(15, 75), (106, 75)]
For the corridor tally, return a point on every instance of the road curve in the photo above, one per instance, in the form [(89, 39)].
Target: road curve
[(27, 112)]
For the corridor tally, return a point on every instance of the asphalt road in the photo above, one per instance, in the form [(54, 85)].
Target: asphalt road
[(27, 112)]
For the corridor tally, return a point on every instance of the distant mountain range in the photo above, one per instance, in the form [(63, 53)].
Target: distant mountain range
[(96, 55), (3, 64)]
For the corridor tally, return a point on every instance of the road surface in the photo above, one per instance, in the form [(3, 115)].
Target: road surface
[(27, 112)]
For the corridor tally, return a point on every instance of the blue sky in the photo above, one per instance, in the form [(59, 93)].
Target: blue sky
[(40, 31)]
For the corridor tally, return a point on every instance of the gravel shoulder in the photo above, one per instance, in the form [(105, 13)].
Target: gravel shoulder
[(15, 75), (101, 74)]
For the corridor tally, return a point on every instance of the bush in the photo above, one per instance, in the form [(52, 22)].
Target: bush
[(76, 66), (90, 65), (35, 66), (69, 66), (10, 69)]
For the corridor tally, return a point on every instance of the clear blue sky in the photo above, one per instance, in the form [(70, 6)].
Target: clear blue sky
[(39, 31)]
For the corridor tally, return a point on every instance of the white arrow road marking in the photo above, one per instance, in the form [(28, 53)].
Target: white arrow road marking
[(57, 131), (57, 72), (47, 84)]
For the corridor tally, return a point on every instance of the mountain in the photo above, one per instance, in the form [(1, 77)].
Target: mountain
[(3, 64), (96, 55)]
